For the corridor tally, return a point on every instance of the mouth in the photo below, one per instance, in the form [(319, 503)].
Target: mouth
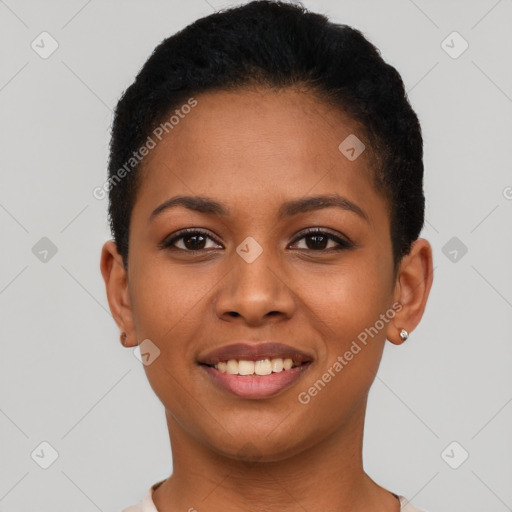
[(261, 367), (255, 371)]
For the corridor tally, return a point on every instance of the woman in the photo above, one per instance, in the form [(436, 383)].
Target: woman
[(266, 199)]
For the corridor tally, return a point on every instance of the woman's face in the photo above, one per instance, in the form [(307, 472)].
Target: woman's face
[(256, 277)]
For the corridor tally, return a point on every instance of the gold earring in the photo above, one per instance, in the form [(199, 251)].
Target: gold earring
[(404, 334)]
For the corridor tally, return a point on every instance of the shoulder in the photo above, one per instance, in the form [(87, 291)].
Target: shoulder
[(406, 506), (146, 504), (142, 506), (133, 508)]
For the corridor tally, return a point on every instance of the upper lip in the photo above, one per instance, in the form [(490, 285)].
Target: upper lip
[(254, 352)]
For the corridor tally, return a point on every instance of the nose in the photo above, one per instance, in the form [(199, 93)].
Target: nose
[(255, 293)]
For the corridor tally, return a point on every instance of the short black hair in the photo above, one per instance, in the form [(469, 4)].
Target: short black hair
[(277, 45)]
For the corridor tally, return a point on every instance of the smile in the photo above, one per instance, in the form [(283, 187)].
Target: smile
[(255, 370), (261, 367)]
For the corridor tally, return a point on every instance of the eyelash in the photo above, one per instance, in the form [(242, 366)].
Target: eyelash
[(189, 232)]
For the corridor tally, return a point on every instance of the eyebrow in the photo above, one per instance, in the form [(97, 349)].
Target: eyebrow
[(209, 206)]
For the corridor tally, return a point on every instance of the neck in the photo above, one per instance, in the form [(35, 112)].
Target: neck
[(327, 475)]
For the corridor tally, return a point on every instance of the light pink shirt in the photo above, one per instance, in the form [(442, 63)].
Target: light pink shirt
[(147, 504)]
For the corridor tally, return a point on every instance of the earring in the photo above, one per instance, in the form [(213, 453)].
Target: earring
[(404, 334), (123, 338)]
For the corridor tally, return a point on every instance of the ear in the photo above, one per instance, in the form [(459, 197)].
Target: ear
[(412, 288), (116, 283)]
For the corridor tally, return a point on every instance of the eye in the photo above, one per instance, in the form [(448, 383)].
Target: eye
[(196, 240), (189, 240), (319, 241)]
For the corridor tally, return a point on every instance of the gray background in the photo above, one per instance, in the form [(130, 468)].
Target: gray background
[(66, 379)]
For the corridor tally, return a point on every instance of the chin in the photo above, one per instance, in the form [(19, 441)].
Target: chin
[(253, 447)]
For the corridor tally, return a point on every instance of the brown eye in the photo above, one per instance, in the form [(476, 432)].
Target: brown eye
[(190, 240), (322, 241), (193, 242)]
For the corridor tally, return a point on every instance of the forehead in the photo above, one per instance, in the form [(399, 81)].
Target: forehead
[(255, 146)]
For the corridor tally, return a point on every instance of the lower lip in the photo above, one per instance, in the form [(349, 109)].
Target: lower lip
[(256, 386)]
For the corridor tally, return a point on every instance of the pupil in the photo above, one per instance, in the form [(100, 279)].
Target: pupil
[(194, 246), (319, 245)]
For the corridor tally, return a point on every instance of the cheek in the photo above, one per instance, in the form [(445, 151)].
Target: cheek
[(348, 307), (166, 305), (166, 299), (347, 299), (350, 358)]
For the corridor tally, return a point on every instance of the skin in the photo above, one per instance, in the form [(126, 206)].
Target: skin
[(253, 150)]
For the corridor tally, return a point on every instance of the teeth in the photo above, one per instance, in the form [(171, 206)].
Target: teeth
[(287, 364), (232, 367), (262, 367), (245, 367), (277, 365)]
